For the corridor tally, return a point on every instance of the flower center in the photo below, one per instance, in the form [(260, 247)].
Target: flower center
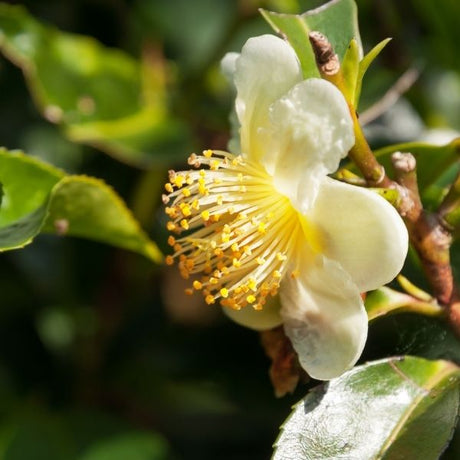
[(239, 232)]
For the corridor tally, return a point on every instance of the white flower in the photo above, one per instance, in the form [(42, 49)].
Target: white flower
[(269, 219)]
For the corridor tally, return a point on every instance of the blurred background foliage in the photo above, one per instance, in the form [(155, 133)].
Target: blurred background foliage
[(101, 355)]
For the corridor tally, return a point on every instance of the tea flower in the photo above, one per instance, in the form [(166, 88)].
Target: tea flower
[(268, 220)]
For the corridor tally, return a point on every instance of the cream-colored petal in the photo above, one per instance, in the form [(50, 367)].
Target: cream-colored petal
[(324, 317), (228, 66), (311, 131), (361, 231), (266, 69), (259, 320)]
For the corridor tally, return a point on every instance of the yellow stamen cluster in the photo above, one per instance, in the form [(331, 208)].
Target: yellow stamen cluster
[(239, 231)]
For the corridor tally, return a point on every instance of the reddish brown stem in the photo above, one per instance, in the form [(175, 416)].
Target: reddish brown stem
[(427, 234)]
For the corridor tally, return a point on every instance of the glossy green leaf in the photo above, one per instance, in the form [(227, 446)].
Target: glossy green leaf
[(386, 301), (337, 20), (87, 207), (135, 446), (395, 408), (40, 198), (432, 160), (100, 96)]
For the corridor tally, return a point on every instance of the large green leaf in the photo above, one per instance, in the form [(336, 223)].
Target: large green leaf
[(395, 408), (40, 198), (100, 96), (337, 20)]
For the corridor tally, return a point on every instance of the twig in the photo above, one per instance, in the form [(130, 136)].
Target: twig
[(402, 85), (427, 234)]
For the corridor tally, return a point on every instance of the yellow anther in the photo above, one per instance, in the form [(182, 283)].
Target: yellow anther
[(281, 257), (184, 224), (217, 180), (213, 280), (179, 181), (209, 299), (236, 263), (196, 205), (218, 252), (247, 250), (197, 285), (190, 264), (171, 240), (207, 153), (169, 260), (235, 247), (169, 187), (257, 307), (202, 174), (171, 226), (214, 165), (215, 217), (250, 298), (171, 212), (252, 284), (276, 274), (186, 211), (186, 192), (189, 291), (219, 200), (261, 228), (224, 293), (205, 215), (260, 260), (225, 238), (240, 177)]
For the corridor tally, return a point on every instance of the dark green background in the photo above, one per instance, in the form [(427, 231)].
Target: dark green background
[(91, 349)]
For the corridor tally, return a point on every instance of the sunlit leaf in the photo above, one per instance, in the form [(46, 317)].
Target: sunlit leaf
[(337, 20), (350, 69), (89, 208), (40, 198), (100, 96), (385, 301), (395, 408)]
